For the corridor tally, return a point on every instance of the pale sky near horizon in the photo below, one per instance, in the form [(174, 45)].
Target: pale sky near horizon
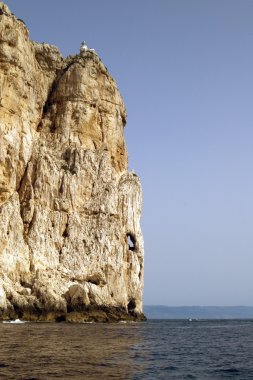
[(185, 71)]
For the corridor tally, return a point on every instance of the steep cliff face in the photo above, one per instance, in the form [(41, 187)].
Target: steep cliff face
[(71, 246)]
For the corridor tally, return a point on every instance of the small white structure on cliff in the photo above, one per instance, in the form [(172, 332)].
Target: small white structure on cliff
[(84, 47)]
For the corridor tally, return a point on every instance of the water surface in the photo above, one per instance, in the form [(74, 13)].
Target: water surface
[(149, 350)]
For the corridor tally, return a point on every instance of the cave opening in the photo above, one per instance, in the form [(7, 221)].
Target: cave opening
[(131, 242), (131, 305)]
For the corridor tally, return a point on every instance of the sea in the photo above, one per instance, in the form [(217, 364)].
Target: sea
[(156, 349)]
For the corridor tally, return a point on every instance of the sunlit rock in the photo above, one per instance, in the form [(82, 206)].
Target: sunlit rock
[(68, 205)]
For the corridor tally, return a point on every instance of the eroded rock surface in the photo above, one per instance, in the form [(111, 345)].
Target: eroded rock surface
[(71, 246)]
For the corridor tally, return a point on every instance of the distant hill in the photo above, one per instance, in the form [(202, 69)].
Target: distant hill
[(198, 312)]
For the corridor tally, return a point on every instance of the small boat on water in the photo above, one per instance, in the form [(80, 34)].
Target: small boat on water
[(15, 321)]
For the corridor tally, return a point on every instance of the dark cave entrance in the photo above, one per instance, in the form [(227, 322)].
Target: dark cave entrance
[(131, 241), (131, 306)]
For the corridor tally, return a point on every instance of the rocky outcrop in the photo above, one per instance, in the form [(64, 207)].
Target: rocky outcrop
[(71, 246)]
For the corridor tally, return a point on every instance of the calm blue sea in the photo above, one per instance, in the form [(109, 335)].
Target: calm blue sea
[(156, 349)]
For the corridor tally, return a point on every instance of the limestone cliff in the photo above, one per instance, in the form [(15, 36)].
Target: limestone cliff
[(71, 246)]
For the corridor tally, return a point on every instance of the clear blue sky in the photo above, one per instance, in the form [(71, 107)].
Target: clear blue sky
[(185, 70)]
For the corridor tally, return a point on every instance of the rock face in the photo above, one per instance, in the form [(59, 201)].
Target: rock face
[(71, 246)]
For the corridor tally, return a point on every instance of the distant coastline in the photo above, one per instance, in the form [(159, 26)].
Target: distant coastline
[(198, 312)]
